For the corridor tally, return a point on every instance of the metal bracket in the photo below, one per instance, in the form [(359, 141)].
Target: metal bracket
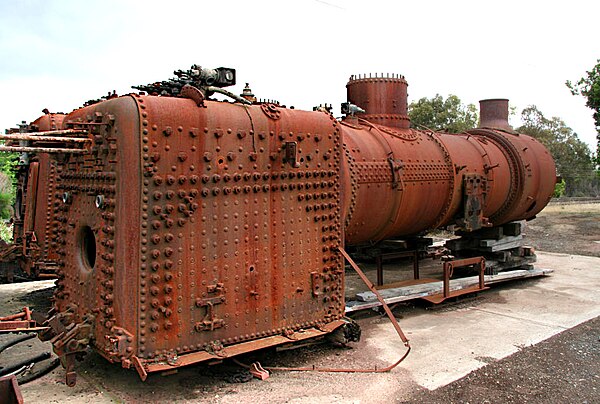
[(195, 94), (119, 345), (291, 153), (395, 166), (139, 366), (258, 371), (210, 321), (289, 334), (20, 322), (316, 281), (449, 266), (474, 192), (70, 341)]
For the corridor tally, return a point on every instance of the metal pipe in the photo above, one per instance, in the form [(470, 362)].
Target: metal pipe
[(65, 132), (42, 150), (493, 113), (14, 317), (229, 94), (38, 138)]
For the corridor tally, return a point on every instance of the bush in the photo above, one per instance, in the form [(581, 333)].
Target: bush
[(6, 231), (6, 204), (559, 189)]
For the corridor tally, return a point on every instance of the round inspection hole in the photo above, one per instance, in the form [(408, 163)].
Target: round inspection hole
[(88, 247), (251, 268)]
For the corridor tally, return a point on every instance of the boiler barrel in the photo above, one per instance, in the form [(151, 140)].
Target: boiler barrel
[(402, 182)]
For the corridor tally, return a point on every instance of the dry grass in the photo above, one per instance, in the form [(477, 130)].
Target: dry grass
[(582, 208)]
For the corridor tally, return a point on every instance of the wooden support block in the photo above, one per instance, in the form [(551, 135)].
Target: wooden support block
[(409, 282), (490, 232), (506, 246), (502, 241), (368, 299), (512, 229), (459, 244)]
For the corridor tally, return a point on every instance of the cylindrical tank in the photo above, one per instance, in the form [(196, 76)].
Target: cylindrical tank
[(403, 182), (400, 182)]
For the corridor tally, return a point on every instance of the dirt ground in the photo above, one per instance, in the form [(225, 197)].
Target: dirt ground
[(566, 228), (564, 368)]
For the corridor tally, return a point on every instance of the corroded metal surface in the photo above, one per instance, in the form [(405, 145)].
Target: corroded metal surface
[(402, 182), (193, 229), (383, 97), (34, 228), (494, 114)]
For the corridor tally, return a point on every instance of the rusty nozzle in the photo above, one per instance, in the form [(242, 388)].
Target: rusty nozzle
[(493, 113)]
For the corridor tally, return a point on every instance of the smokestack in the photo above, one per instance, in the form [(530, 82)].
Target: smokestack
[(494, 114), (382, 96)]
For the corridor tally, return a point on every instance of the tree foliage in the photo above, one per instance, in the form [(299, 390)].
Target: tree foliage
[(560, 189), (574, 160), (8, 164), (438, 113), (589, 87)]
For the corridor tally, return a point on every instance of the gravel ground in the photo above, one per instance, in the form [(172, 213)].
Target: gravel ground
[(569, 229), (563, 369)]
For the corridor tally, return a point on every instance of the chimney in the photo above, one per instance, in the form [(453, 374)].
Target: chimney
[(494, 114), (382, 96)]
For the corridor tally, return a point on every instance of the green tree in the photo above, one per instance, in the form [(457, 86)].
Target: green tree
[(8, 164), (589, 87), (438, 113), (574, 160)]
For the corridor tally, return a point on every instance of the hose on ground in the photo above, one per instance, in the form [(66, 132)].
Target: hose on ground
[(39, 372), (17, 340), (23, 364)]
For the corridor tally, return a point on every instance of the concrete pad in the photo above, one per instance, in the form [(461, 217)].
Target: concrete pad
[(450, 344)]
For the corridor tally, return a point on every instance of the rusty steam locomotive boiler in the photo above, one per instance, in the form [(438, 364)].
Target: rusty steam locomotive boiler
[(188, 229), (33, 226)]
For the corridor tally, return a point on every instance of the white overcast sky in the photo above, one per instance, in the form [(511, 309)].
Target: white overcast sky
[(58, 54)]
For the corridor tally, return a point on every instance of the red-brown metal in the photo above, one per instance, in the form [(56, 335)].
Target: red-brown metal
[(402, 182), (383, 97), (20, 322), (197, 231), (448, 270), (10, 393), (218, 225), (493, 113), (374, 369), (34, 226)]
